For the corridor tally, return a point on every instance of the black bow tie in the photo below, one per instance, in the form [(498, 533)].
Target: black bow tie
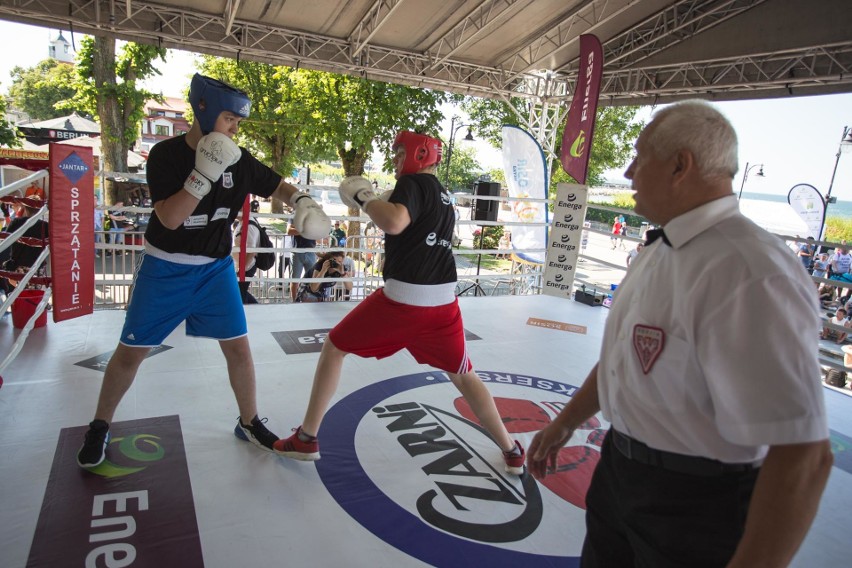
[(654, 234)]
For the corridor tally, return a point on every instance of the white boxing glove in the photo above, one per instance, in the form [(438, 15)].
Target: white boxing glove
[(356, 191), (385, 195), (309, 218), (214, 153)]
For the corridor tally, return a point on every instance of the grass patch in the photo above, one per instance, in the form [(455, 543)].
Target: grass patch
[(488, 261)]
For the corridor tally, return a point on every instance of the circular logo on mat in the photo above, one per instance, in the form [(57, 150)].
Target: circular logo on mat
[(408, 460)]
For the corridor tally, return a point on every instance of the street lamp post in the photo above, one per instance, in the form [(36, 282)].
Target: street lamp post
[(745, 176), (453, 130), (846, 140)]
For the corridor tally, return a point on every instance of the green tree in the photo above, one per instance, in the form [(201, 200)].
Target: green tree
[(355, 115), (37, 90), (615, 133), (464, 169), (107, 87), (8, 133), (498, 175)]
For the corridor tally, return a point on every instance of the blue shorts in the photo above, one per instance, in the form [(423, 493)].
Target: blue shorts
[(166, 293)]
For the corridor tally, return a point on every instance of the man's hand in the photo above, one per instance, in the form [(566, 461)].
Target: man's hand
[(309, 218), (213, 155), (544, 449), (356, 191)]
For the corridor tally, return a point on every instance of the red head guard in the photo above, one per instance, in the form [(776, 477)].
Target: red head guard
[(421, 151)]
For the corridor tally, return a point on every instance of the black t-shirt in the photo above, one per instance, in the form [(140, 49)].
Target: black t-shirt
[(314, 273), (207, 231), (423, 252)]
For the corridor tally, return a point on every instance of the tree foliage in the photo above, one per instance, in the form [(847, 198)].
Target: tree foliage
[(107, 86), (8, 133), (464, 169), (615, 133), (354, 115), (37, 90)]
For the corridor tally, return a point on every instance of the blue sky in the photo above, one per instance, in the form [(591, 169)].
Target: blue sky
[(796, 138)]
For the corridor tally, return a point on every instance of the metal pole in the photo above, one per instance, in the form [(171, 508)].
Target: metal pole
[(836, 161), (831, 183), (742, 185), (449, 154)]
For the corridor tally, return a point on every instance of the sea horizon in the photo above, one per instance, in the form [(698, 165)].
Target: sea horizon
[(770, 211)]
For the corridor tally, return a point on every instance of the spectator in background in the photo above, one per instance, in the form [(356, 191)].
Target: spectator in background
[(821, 266), (348, 272), (631, 256), (302, 261), (827, 295), (505, 244), (840, 262), (806, 253), (99, 227), (118, 224), (328, 265), (338, 235), (839, 318), (616, 232), (252, 241)]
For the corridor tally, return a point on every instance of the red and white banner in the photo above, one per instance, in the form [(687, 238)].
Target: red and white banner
[(72, 231), (580, 125)]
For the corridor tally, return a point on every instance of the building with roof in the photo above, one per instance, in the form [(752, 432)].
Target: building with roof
[(162, 120)]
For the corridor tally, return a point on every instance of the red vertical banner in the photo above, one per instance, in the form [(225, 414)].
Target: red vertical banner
[(72, 231), (580, 125)]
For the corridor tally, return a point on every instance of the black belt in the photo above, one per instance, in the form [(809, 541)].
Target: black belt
[(679, 463)]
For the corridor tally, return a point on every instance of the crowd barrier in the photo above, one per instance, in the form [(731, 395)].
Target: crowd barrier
[(115, 263)]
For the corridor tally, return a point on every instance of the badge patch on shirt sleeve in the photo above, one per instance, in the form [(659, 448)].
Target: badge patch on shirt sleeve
[(228, 180), (648, 342)]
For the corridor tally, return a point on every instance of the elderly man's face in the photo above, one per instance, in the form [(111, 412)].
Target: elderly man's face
[(651, 177)]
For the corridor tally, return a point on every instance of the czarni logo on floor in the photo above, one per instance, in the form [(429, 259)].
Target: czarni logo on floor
[(457, 499)]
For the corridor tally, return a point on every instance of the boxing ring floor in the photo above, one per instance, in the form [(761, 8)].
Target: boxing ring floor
[(407, 478)]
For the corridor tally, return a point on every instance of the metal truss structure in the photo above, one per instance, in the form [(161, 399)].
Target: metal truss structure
[(654, 50)]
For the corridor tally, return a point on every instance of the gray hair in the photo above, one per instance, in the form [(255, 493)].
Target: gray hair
[(697, 126)]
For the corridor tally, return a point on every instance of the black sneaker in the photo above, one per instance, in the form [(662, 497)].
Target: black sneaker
[(256, 433), (94, 445)]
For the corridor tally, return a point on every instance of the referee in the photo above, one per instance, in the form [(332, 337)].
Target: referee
[(718, 449)]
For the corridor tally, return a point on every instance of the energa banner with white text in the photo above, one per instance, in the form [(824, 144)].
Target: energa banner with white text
[(526, 177)]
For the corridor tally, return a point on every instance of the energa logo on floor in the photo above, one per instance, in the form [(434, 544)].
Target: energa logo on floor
[(408, 460)]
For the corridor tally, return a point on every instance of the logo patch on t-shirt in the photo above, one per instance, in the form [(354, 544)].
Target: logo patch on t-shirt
[(648, 342), (228, 180)]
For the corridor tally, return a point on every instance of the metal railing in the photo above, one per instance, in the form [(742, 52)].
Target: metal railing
[(23, 282)]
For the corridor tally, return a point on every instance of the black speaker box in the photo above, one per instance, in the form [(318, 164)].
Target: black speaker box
[(486, 210), (590, 298)]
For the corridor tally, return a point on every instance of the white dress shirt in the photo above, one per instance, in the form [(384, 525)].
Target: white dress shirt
[(710, 348)]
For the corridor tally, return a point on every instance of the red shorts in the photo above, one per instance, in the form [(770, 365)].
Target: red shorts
[(379, 327)]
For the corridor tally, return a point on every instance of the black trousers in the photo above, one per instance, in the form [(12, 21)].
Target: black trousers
[(644, 516)]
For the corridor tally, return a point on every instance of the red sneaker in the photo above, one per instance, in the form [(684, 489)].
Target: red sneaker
[(296, 449), (514, 462)]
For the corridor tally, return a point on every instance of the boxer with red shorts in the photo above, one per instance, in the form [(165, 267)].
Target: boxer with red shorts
[(417, 309)]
